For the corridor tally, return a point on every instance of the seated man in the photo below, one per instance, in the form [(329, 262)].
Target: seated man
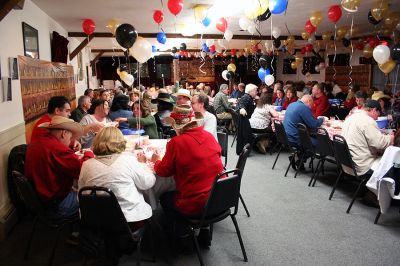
[(366, 142), (84, 104), (200, 104), (52, 166), (221, 105), (321, 105), (183, 97)]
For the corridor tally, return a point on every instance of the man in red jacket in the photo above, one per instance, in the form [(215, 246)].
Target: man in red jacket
[(321, 105)]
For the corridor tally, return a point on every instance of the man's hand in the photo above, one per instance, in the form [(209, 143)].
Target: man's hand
[(121, 119), (155, 157), (75, 145), (141, 157), (243, 112)]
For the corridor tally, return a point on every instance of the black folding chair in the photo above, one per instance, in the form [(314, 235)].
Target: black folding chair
[(325, 153), (32, 202), (306, 148), (102, 214), (224, 195), (240, 165), (344, 159), (283, 143), (223, 142), (235, 119)]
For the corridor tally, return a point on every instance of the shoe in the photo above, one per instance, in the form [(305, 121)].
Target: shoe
[(204, 238), (73, 239), (261, 147), (292, 162), (300, 166)]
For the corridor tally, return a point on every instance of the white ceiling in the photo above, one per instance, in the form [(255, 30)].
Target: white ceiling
[(70, 14)]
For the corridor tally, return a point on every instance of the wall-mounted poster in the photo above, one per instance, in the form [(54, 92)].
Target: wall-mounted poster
[(6, 89), (41, 80), (31, 41), (13, 67)]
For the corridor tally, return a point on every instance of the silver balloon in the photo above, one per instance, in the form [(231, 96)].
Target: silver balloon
[(398, 26)]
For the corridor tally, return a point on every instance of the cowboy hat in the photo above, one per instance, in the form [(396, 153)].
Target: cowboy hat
[(183, 116), (184, 92), (379, 95), (163, 96), (60, 122)]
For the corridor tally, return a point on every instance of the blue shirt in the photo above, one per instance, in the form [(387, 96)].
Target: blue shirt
[(298, 112), (121, 113), (279, 102)]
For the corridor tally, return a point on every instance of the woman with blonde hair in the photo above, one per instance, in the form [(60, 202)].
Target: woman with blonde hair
[(121, 172)]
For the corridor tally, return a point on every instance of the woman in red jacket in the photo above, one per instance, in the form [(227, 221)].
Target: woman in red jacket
[(290, 98)]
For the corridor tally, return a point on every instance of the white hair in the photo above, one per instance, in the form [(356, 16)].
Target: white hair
[(250, 87)]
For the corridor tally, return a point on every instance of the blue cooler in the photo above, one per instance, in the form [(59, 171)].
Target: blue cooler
[(382, 122)]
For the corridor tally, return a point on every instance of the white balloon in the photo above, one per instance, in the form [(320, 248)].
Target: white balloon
[(244, 23), (398, 26), (128, 80), (252, 28), (269, 80), (311, 39), (228, 35), (317, 68), (276, 32), (224, 74), (141, 50), (381, 54)]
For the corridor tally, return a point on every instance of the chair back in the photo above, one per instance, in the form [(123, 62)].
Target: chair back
[(342, 152), (224, 194), (304, 137), (241, 163), (16, 162), (223, 142), (324, 147), (280, 133)]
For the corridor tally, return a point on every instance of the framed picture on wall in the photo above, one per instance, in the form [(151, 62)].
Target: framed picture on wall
[(31, 41), (287, 66), (13, 67)]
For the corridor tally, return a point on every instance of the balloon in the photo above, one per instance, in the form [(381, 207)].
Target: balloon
[(277, 6), (298, 60), (395, 52), (276, 32), (230, 75), (206, 21), (277, 43), (252, 28), (367, 51), (228, 35), (317, 68), (183, 46), (224, 73), (360, 45), (244, 23), (158, 16), (381, 54), (309, 27), (309, 47), (305, 35), (231, 67), (233, 52), (269, 80), (88, 26), (221, 25), (392, 19), (388, 66), (341, 32), (334, 13), (126, 35), (141, 50), (303, 50), (205, 48), (112, 25), (350, 5), (316, 18), (264, 16), (398, 26), (175, 6), (326, 36), (153, 49), (212, 48), (311, 39), (371, 19), (293, 65), (123, 74), (200, 12), (379, 10), (373, 42), (262, 73), (161, 37), (128, 79), (346, 42), (255, 8)]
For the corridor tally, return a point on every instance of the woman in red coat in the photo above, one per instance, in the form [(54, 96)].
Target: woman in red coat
[(290, 98)]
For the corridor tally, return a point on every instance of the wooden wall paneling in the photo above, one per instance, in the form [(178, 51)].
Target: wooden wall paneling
[(361, 75)]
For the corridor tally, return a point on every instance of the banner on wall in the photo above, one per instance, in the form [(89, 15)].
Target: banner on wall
[(41, 80)]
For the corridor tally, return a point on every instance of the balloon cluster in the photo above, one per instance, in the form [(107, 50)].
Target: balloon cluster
[(229, 73), (386, 57)]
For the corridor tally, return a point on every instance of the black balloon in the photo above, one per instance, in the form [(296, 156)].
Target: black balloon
[(174, 50), (371, 19), (230, 75), (126, 35), (183, 46), (395, 52), (264, 16), (346, 42), (277, 43)]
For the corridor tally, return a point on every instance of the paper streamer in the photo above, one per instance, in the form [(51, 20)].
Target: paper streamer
[(352, 51)]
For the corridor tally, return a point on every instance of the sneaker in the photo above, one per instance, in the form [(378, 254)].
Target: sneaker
[(204, 238)]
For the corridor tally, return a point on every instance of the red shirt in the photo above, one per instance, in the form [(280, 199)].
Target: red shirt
[(350, 104), (321, 106), (52, 166), (287, 102), (39, 132), (193, 158)]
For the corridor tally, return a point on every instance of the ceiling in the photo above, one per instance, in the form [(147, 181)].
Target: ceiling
[(70, 14)]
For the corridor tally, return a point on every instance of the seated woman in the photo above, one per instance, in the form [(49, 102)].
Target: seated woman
[(260, 120), (280, 97), (133, 97), (120, 108), (120, 172), (290, 97), (98, 113), (143, 119)]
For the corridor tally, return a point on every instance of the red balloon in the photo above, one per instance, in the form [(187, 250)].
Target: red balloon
[(334, 13), (309, 27), (309, 47), (303, 50), (359, 45), (175, 6), (158, 16), (88, 26), (212, 48), (222, 24), (372, 41), (233, 52)]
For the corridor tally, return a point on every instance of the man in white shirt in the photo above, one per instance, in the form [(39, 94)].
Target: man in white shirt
[(199, 104), (365, 140)]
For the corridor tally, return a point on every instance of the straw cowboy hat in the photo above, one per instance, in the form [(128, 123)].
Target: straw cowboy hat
[(379, 95), (184, 92), (183, 116), (60, 122)]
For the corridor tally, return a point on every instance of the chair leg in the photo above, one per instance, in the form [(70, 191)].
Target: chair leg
[(300, 163), (321, 168), (53, 251), (277, 156), (196, 244), (336, 183), (244, 205), (139, 250), (355, 194), (211, 231), (240, 237), (287, 169), (313, 176), (234, 139), (377, 217), (28, 246), (150, 230)]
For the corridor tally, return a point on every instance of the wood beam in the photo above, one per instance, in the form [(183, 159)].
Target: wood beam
[(80, 47), (96, 58), (6, 7)]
